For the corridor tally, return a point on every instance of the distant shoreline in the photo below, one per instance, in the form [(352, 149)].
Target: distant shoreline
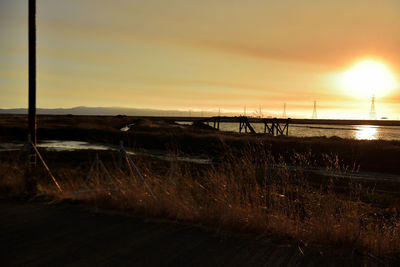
[(3, 112), (139, 113)]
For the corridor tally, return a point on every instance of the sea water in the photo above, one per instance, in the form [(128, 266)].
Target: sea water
[(359, 132)]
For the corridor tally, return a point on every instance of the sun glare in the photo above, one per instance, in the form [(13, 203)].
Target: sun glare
[(368, 77), (366, 132)]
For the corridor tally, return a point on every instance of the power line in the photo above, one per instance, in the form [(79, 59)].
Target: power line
[(314, 114), (284, 111), (372, 112)]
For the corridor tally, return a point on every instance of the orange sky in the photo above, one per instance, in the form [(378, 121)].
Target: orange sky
[(205, 55)]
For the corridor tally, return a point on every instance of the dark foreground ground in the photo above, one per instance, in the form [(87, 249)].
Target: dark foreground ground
[(39, 233)]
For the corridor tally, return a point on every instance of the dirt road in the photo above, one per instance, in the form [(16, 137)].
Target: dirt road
[(39, 233)]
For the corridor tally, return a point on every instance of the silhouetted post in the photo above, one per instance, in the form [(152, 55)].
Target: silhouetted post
[(287, 126), (32, 80)]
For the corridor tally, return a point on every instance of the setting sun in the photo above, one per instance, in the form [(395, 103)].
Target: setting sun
[(368, 77)]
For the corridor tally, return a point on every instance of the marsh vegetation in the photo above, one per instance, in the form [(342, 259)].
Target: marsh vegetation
[(243, 194)]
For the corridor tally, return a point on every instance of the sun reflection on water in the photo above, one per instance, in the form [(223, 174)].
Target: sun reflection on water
[(366, 132)]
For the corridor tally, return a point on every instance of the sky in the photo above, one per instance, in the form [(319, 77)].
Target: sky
[(201, 55)]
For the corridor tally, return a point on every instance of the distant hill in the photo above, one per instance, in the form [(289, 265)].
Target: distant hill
[(107, 111)]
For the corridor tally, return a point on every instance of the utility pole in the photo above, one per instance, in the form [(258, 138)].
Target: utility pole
[(32, 122)]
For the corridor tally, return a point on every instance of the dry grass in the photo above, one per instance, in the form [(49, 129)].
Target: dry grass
[(373, 155), (243, 194)]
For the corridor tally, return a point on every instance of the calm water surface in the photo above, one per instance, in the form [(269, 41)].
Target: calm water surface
[(69, 145), (360, 132)]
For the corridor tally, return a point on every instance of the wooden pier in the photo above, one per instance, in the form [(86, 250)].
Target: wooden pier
[(292, 121), (272, 126), (276, 126)]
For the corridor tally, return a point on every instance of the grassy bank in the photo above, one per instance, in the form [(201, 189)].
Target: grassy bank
[(242, 194), (375, 155)]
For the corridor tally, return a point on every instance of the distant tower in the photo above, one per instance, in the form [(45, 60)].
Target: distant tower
[(372, 112), (260, 113), (314, 113), (284, 111)]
